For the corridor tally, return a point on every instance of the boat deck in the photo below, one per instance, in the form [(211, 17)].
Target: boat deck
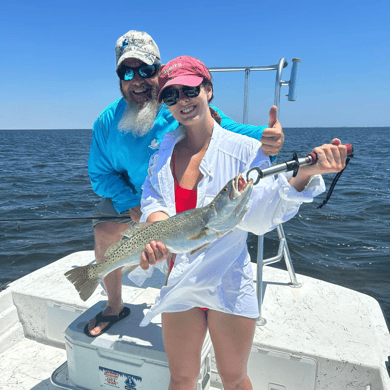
[(319, 336)]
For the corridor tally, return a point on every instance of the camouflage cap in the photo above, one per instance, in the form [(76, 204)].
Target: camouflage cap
[(136, 44)]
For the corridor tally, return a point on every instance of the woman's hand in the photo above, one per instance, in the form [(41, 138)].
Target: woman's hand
[(154, 251), (330, 158)]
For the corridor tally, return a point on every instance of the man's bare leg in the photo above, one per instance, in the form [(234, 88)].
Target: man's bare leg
[(106, 234)]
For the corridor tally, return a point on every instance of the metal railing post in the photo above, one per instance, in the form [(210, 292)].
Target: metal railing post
[(246, 93), (260, 252), (287, 258), (278, 82), (292, 93)]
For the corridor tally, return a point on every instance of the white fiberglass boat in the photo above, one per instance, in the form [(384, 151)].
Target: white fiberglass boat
[(319, 336), (312, 335)]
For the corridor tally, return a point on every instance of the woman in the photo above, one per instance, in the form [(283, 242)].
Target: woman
[(213, 289)]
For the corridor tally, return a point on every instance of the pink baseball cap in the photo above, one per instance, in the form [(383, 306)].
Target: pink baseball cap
[(183, 70)]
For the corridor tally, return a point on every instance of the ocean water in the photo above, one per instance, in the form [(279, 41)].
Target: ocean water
[(43, 174)]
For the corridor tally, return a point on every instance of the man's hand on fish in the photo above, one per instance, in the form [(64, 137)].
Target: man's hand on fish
[(154, 251), (330, 158), (273, 137)]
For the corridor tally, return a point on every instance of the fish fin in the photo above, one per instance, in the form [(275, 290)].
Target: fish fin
[(84, 284), (113, 248), (129, 268), (198, 236), (135, 229), (198, 249)]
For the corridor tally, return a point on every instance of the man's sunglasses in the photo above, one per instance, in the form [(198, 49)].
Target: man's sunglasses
[(171, 96), (145, 71)]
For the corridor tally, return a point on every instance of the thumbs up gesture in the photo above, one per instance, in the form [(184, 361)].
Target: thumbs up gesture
[(273, 137)]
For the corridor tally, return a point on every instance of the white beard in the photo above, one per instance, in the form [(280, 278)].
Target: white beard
[(138, 120)]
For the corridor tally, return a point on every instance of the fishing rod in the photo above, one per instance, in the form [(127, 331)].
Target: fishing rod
[(65, 218), (294, 164)]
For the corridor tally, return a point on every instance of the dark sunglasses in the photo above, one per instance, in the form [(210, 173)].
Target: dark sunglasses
[(171, 96), (145, 71)]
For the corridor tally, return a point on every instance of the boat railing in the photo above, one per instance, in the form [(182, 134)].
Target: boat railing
[(283, 251)]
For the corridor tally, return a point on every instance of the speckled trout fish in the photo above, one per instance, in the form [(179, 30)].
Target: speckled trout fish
[(188, 231)]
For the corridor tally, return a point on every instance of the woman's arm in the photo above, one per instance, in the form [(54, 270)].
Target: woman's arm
[(157, 216), (330, 158), (152, 200), (276, 201)]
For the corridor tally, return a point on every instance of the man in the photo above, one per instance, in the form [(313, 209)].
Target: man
[(125, 136)]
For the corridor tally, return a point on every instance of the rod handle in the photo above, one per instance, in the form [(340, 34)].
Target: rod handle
[(313, 155)]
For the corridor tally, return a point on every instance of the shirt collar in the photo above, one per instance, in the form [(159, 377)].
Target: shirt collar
[(207, 165)]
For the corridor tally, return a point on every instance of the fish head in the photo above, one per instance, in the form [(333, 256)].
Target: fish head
[(230, 205)]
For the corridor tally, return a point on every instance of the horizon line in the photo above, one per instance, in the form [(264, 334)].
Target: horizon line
[(284, 128)]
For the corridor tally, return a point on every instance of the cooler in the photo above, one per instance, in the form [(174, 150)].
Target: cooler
[(126, 357)]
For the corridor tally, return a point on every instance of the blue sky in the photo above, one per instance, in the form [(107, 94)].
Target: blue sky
[(57, 61)]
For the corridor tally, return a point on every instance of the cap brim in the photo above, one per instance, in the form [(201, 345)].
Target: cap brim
[(191, 81), (149, 59)]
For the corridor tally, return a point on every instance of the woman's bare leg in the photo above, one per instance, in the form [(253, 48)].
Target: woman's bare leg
[(183, 335), (232, 338)]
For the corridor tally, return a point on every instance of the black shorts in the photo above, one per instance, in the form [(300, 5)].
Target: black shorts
[(106, 209)]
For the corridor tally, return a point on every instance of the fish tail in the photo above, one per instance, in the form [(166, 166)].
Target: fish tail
[(82, 281)]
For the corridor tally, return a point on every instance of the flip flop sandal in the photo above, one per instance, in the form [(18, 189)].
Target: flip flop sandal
[(110, 319)]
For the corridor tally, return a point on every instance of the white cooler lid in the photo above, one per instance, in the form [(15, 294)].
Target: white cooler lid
[(124, 338)]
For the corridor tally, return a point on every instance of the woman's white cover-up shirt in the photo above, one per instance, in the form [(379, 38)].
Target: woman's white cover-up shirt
[(219, 276)]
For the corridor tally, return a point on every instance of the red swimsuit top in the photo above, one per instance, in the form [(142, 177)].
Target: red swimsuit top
[(184, 199)]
